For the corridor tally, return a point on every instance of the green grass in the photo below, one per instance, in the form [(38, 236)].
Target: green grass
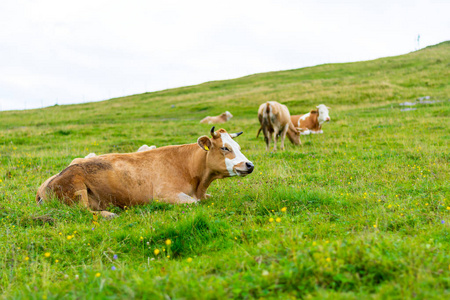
[(367, 203)]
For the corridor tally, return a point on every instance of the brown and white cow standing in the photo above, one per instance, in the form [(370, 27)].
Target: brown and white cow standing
[(312, 122), (222, 118), (275, 121), (173, 174)]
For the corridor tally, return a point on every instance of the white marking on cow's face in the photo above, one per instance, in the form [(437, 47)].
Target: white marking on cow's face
[(239, 157), (323, 114), (229, 115)]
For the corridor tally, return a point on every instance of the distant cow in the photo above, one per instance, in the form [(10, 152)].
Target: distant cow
[(275, 121), (146, 148), (312, 122), (224, 117), (90, 155), (173, 174)]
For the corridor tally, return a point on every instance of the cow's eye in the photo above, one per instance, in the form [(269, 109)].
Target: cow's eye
[(225, 149)]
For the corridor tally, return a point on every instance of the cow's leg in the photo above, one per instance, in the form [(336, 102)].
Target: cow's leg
[(274, 136), (267, 138), (283, 135), (107, 214), (84, 200), (69, 187), (176, 198), (184, 198), (305, 131)]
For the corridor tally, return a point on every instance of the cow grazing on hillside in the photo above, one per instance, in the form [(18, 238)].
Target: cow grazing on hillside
[(173, 174), (312, 122), (224, 117), (275, 121)]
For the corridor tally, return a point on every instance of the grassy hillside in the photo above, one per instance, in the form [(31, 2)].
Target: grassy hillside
[(361, 211)]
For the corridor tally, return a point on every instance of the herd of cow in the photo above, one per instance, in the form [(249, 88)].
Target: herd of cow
[(173, 174)]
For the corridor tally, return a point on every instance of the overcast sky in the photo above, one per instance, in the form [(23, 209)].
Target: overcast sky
[(80, 51)]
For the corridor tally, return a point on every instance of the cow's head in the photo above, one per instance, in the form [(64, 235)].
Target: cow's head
[(228, 115), (224, 154), (323, 114)]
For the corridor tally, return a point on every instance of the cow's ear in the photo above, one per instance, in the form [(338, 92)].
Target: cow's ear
[(204, 142)]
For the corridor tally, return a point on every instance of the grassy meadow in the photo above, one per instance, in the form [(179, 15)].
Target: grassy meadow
[(361, 211)]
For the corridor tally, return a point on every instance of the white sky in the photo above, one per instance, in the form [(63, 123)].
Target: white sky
[(80, 51)]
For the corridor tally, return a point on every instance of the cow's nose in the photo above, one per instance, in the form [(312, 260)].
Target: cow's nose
[(328, 119), (249, 166)]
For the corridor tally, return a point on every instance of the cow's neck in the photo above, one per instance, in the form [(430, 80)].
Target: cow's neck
[(201, 175), (315, 121)]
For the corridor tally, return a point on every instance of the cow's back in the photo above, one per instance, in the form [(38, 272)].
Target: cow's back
[(283, 114)]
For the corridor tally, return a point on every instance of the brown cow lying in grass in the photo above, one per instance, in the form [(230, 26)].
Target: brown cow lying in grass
[(173, 174), (275, 121), (79, 160), (224, 117)]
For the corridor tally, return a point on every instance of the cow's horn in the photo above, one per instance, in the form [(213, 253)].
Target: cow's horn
[(213, 134), (233, 135)]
